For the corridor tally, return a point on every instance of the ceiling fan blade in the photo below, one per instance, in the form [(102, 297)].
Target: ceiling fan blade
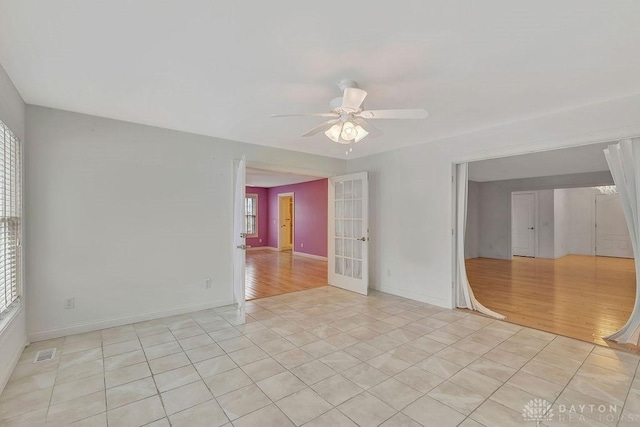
[(352, 98), (307, 115), (394, 114), (321, 128), (373, 131)]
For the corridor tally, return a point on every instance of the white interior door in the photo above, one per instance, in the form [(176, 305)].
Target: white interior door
[(349, 232), (239, 238), (523, 224), (612, 234)]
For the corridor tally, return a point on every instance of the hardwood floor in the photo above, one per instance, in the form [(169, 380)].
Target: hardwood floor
[(583, 297), (272, 273)]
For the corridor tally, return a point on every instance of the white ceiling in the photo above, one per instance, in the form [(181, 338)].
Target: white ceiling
[(267, 179), (587, 158), (221, 68)]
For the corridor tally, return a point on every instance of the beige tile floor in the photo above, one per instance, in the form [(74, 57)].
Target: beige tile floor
[(322, 357)]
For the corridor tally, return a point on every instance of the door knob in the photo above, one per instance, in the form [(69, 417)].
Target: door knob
[(243, 247), (364, 239), (532, 228)]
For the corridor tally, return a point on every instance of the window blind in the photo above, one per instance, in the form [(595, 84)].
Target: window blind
[(251, 214), (10, 219)]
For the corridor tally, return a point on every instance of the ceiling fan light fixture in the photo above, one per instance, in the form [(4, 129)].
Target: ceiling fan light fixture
[(349, 132), (334, 133), (361, 133)]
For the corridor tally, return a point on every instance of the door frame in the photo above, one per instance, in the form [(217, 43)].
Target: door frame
[(535, 221), (293, 217)]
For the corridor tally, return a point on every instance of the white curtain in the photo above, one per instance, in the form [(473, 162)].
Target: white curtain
[(463, 293), (624, 159)]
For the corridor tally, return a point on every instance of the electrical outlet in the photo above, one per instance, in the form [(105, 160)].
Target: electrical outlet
[(302, 245), (70, 303), (260, 240), (207, 284)]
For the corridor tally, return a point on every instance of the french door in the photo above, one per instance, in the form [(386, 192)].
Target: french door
[(349, 232), (239, 238)]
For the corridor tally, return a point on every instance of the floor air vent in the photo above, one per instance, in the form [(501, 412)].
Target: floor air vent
[(43, 355)]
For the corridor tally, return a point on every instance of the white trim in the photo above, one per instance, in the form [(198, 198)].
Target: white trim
[(272, 167), (413, 295), (11, 314), (549, 145), (293, 216), (104, 324), (305, 255)]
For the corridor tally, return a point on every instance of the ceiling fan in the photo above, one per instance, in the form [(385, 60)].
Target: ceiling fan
[(349, 120)]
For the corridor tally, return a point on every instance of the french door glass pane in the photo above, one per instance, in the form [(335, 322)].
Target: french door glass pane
[(348, 247), (339, 247), (357, 189), (339, 230), (348, 267), (348, 190), (339, 212), (357, 208), (357, 229), (339, 191), (348, 209), (348, 229), (357, 249), (357, 269), (339, 265)]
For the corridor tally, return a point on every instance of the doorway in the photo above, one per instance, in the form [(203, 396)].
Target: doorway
[(286, 222), (546, 242), (287, 251)]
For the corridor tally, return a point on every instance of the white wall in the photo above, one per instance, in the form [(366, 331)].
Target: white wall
[(129, 219), (416, 261), (545, 248), (13, 335), (562, 221), (472, 235), (579, 236)]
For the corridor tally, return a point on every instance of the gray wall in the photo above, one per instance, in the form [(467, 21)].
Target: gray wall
[(495, 210), (13, 337)]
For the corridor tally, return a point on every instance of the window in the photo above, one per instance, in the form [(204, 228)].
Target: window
[(251, 214), (10, 217)]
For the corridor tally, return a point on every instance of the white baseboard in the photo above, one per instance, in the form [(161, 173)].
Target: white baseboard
[(104, 324), (302, 254), (412, 295), (262, 248)]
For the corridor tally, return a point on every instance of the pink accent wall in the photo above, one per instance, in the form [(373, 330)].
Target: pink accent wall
[(263, 216), (310, 216)]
